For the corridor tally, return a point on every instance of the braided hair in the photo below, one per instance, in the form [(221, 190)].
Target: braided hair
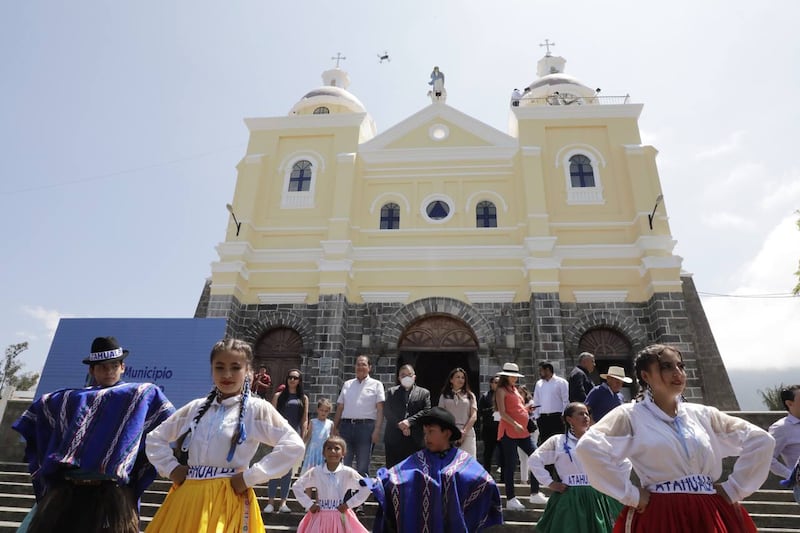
[(239, 436), (646, 357)]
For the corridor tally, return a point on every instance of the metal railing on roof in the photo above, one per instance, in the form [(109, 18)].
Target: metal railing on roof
[(560, 99)]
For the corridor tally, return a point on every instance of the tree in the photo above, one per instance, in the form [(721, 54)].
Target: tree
[(771, 397), (11, 369)]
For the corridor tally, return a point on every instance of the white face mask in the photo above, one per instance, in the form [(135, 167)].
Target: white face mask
[(407, 381)]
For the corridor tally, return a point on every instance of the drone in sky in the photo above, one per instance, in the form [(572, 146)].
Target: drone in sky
[(383, 57)]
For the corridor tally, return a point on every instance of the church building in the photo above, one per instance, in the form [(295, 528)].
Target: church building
[(444, 242)]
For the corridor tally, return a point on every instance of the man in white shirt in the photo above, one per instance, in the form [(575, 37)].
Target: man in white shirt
[(550, 398), (359, 415), (786, 433)]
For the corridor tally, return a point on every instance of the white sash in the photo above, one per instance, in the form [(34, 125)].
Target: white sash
[(695, 484), (209, 472), (577, 480)]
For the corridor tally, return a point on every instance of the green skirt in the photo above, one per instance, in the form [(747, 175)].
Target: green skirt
[(579, 510)]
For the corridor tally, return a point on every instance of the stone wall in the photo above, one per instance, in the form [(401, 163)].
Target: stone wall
[(12, 447), (335, 331)]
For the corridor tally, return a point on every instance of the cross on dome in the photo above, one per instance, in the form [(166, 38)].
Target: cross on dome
[(547, 44), (338, 58)]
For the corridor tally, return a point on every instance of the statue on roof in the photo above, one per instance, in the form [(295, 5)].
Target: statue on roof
[(437, 92)]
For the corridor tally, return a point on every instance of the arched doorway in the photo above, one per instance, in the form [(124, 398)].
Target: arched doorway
[(610, 347), (434, 345), (279, 350)]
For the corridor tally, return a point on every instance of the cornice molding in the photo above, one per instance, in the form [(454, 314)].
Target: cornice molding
[(578, 112)]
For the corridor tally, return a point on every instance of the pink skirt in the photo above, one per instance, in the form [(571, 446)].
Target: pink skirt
[(331, 521)]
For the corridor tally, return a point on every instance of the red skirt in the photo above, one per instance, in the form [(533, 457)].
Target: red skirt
[(687, 513)]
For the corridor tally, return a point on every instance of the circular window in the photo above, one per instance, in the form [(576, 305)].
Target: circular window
[(322, 110), (437, 208), (439, 132)]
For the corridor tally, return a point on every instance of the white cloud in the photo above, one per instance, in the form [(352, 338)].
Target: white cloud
[(731, 144), (760, 331), (725, 220), (26, 336), (47, 317), (784, 194)]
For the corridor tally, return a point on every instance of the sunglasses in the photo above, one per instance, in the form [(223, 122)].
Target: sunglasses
[(294, 377)]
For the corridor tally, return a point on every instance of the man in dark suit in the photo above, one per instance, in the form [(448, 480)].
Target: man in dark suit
[(580, 383), (405, 404)]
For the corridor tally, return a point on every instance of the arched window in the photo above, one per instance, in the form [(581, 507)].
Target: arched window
[(300, 179), (580, 171), (322, 110), (485, 215), (390, 216)]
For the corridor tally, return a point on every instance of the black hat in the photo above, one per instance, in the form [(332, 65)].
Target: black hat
[(441, 417), (105, 349)]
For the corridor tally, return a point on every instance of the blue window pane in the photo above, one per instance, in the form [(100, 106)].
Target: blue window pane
[(580, 171), (438, 210), (300, 178), (390, 216), (486, 215)]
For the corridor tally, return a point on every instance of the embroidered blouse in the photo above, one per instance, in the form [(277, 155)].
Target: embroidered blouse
[(331, 487), (662, 448), (559, 450), (211, 439)]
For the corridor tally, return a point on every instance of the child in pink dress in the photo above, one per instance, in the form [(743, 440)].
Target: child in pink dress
[(329, 513)]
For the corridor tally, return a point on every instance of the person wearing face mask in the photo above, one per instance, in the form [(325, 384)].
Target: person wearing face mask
[(405, 404)]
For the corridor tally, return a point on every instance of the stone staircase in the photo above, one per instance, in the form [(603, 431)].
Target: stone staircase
[(772, 509)]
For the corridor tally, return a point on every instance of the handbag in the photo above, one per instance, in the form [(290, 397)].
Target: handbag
[(531, 425)]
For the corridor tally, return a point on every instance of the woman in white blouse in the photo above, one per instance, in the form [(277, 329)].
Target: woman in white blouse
[(676, 449), (461, 403), (574, 505)]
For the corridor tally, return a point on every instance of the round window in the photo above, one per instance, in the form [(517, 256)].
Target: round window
[(437, 210), (439, 132)]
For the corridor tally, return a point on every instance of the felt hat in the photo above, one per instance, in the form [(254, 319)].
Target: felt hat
[(105, 349), (510, 369), (443, 418), (617, 372)]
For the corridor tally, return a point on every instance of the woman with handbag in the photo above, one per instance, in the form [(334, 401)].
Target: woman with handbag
[(513, 433)]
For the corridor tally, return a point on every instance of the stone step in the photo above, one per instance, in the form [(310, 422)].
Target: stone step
[(774, 511)]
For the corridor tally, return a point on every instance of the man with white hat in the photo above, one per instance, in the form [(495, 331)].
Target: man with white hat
[(606, 396)]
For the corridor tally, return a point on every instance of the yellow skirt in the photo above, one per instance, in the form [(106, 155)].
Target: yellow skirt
[(207, 506)]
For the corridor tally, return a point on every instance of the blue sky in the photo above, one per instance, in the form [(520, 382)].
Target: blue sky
[(121, 127)]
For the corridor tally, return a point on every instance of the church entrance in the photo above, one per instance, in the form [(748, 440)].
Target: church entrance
[(610, 348), (436, 344), (279, 350)]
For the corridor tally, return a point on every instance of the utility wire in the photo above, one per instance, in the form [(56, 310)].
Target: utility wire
[(119, 173), (768, 296)]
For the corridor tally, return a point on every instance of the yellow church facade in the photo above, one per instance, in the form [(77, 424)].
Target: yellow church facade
[(446, 243)]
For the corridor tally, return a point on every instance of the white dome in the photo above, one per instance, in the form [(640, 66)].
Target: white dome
[(556, 88), (332, 94), (563, 83)]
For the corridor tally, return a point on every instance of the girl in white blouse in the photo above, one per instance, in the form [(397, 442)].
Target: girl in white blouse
[(219, 435), (329, 512), (574, 505), (676, 449)]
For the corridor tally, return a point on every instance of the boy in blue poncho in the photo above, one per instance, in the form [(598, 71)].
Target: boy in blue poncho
[(85, 448), (439, 488)]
